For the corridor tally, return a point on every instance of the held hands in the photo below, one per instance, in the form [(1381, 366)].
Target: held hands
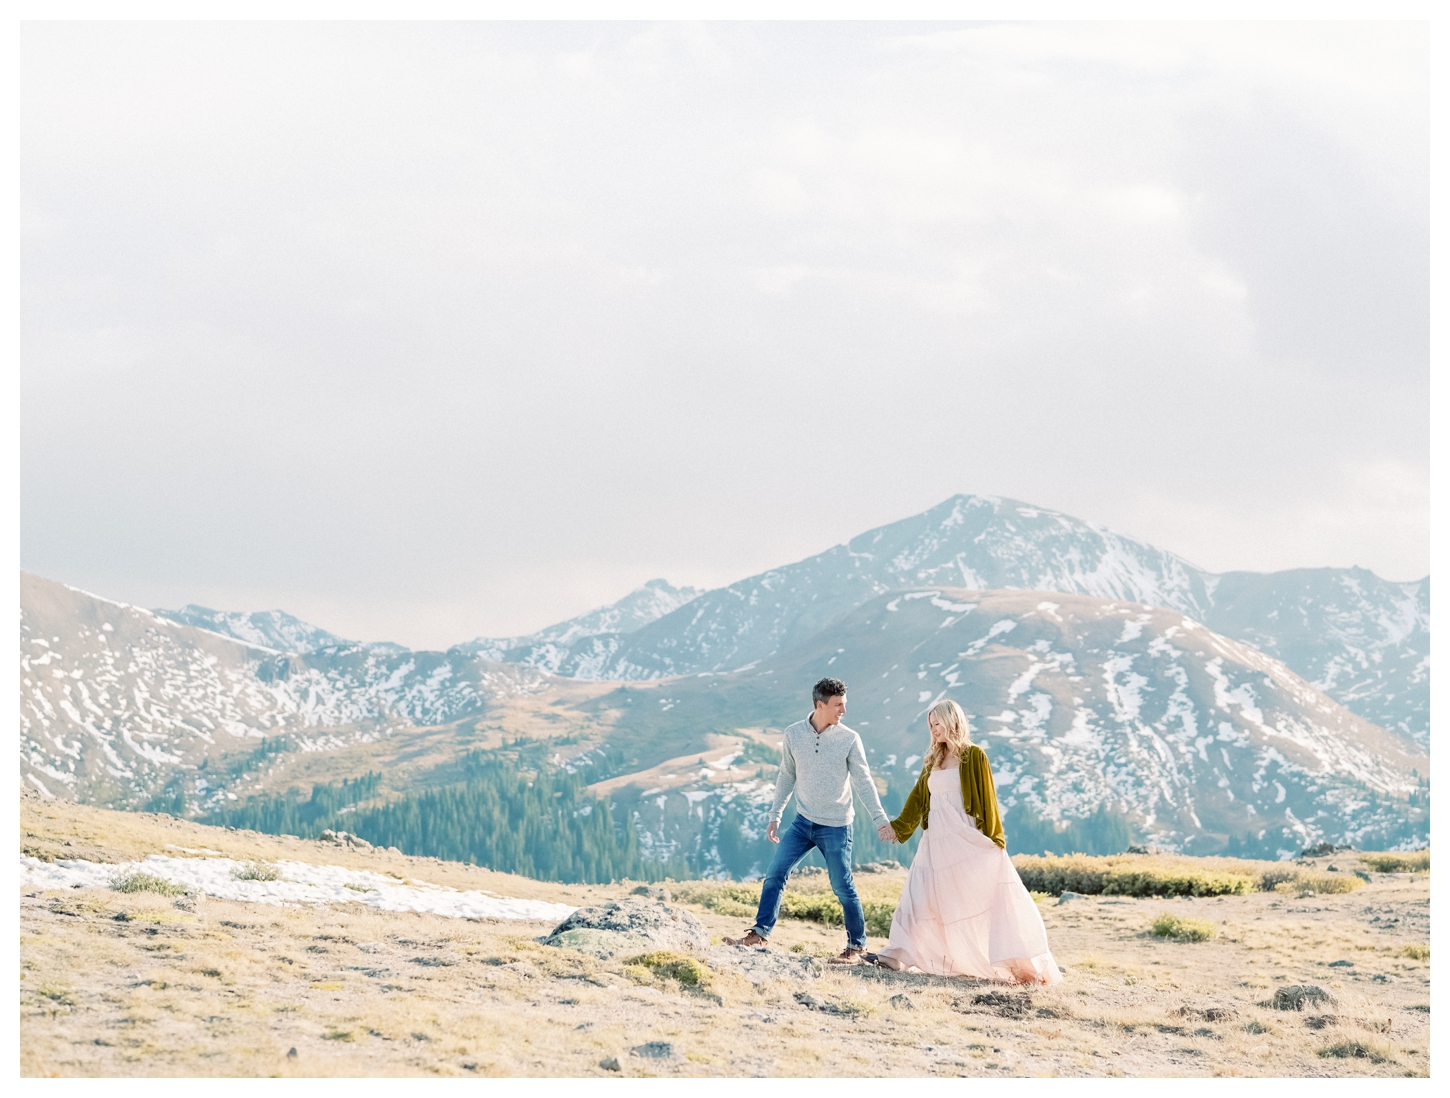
[(772, 831), (886, 834)]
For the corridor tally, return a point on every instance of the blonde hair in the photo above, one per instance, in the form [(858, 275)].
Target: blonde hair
[(959, 733)]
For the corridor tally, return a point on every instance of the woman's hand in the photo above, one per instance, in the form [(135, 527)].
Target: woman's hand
[(886, 833)]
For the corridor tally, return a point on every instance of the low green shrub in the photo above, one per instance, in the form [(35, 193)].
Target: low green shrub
[(136, 881), (1180, 928), (680, 967), (1356, 1050), (1310, 881), (1137, 875), (1410, 861), (57, 993), (1281, 873), (257, 871), (1415, 951)]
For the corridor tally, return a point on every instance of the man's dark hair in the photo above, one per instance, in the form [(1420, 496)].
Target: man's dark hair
[(827, 689)]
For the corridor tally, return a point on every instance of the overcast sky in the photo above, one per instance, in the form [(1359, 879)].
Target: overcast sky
[(427, 331)]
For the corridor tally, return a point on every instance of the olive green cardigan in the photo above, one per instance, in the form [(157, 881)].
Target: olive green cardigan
[(979, 798)]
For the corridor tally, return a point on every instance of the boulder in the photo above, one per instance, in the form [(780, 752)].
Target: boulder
[(654, 892), (342, 838), (1298, 996), (1066, 896), (655, 1050), (759, 965), (627, 926), (900, 1002)]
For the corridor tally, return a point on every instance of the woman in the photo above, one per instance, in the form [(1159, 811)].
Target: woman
[(964, 911)]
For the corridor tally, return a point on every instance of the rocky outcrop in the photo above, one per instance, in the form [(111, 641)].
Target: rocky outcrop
[(633, 924)]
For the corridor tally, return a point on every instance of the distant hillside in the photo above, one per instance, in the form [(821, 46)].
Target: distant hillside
[(1362, 640), (117, 703), (1086, 705), (1083, 704)]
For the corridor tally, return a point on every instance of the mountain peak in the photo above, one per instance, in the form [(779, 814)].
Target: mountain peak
[(275, 629)]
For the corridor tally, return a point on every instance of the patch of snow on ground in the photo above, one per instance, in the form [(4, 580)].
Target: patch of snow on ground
[(300, 883)]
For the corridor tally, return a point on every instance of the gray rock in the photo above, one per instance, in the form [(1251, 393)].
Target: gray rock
[(654, 892), (632, 924), (759, 965), (1341, 964), (342, 838), (610, 1063), (1298, 996), (1207, 1013), (1066, 896), (654, 1050), (885, 865), (827, 1006), (1002, 1003), (900, 1002)]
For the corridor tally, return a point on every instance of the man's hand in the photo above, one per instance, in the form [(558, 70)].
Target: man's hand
[(886, 833), (772, 831)]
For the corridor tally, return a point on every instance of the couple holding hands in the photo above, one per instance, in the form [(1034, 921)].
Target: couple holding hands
[(963, 911)]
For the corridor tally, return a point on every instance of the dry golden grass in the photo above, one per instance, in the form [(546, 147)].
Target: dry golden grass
[(140, 984), (1414, 861)]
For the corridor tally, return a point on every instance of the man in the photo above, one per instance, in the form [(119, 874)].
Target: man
[(821, 761)]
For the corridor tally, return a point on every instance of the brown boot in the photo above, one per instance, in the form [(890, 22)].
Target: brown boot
[(848, 956), (749, 938)]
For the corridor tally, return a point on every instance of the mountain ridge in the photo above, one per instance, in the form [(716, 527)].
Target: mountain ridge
[(1371, 649)]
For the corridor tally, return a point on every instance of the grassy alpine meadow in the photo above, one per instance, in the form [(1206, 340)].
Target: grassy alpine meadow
[(126, 979)]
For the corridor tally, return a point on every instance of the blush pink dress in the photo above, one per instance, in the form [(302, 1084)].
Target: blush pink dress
[(964, 910)]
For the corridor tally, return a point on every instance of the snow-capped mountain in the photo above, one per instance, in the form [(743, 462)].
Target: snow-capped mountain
[(1081, 704), (116, 701), (273, 629), (1362, 640), (571, 640)]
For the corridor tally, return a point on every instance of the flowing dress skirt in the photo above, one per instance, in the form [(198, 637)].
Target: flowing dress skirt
[(964, 910)]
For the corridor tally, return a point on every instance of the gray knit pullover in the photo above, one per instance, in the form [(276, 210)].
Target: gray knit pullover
[(822, 768)]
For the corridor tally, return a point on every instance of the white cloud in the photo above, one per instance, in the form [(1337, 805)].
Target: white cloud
[(392, 316)]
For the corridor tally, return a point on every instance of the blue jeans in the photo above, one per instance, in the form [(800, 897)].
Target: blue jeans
[(834, 843)]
